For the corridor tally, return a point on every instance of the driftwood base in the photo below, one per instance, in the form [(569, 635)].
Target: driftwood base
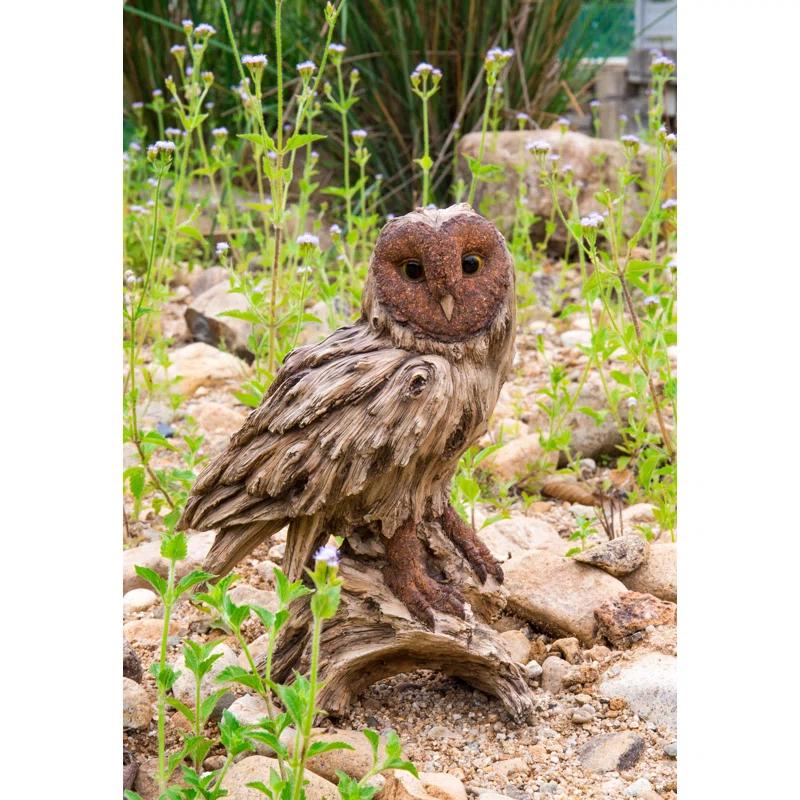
[(373, 635)]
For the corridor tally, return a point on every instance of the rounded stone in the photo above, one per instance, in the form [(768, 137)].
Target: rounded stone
[(138, 600)]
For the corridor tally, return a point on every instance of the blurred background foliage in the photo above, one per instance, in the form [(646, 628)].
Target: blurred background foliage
[(552, 40)]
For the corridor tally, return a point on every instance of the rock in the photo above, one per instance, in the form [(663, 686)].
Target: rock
[(216, 419), (620, 618), (184, 687), (131, 666), (590, 439), (313, 332), (138, 600), (245, 594), (490, 794), (558, 594), (554, 671), (595, 163), (517, 536), (199, 364), (671, 750), (569, 648), (639, 788), (509, 766), (638, 513), (130, 766), (584, 714), (146, 783), (579, 674), (576, 338), (276, 552), (440, 732), (550, 788), (202, 280), (659, 574), (249, 709), (258, 651), (534, 670), (136, 708), (442, 786), (616, 557), (402, 785), (148, 631), (207, 321), (648, 684), (518, 459), (149, 555), (256, 768), (518, 645), (611, 752), (356, 762)]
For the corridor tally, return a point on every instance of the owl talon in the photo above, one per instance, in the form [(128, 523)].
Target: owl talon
[(474, 550), (405, 575)]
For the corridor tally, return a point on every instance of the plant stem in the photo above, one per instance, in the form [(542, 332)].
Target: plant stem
[(486, 108), (311, 710), (162, 661)]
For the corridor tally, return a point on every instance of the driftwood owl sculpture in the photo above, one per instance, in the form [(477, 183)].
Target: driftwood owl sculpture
[(363, 431)]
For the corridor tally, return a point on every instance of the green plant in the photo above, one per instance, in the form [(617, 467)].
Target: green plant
[(293, 704)]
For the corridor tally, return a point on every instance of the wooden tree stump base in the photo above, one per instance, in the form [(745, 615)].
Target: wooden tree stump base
[(374, 636)]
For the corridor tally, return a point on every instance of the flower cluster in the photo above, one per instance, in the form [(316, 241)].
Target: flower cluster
[(328, 554), (359, 135), (631, 142), (161, 148), (306, 69), (255, 63), (592, 221), (204, 30)]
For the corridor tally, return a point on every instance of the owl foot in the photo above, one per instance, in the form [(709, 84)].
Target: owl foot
[(475, 551), (405, 575)]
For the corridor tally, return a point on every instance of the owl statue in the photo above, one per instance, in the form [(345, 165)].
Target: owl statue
[(364, 430)]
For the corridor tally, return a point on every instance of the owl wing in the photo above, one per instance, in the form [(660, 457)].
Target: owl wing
[(339, 414)]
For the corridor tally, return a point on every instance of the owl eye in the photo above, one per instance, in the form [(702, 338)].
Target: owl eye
[(471, 264), (413, 271)]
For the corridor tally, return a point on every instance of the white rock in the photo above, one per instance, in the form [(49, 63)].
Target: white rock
[(138, 600), (200, 365), (136, 707), (576, 338), (638, 788), (649, 685), (184, 688), (518, 535), (659, 573)]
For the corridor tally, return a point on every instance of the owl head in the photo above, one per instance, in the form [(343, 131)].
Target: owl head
[(444, 274)]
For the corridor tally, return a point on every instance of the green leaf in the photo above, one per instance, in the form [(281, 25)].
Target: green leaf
[(572, 551), (400, 763), (136, 481), (237, 674), (300, 140), (181, 707), (323, 747), (292, 702), (247, 316), (260, 787), (208, 705), (131, 795), (174, 547), (192, 579), (374, 742), (269, 739), (256, 138), (192, 232), (153, 578)]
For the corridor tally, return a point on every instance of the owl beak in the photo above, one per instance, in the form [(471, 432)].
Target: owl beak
[(447, 303)]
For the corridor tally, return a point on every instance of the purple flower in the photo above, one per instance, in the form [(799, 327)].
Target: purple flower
[(328, 554)]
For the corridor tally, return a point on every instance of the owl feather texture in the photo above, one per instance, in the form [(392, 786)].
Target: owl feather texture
[(363, 431)]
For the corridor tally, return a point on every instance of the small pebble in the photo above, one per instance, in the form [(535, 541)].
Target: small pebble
[(583, 714), (671, 750), (638, 788), (534, 669), (138, 600)]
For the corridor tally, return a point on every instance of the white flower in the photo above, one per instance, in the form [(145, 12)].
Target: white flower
[(359, 134), (304, 270), (308, 240), (135, 146), (538, 146), (592, 220), (137, 105), (187, 25), (563, 122), (157, 93), (669, 203), (651, 300), (631, 402), (629, 138), (521, 116), (204, 29), (662, 63), (423, 68), (173, 131), (258, 61), (335, 230), (218, 133), (594, 104), (553, 157), (671, 138), (153, 182), (168, 147), (178, 50), (306, 68), (189, 71), (138, 210), (336, 48), (328, 554), (222, 248), (498, 56)]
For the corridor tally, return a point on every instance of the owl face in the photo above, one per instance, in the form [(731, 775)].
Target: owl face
[(445, 274)]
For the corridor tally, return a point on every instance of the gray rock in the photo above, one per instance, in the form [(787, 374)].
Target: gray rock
[(569, 648), (184, 687), (245, 594), (202, 280), (611, 752), (257, 768), (550, 788), (136, 708), (207, 321), (138, 600), (584, 714), (576, 338), (639, 788), (659, 573), (617, 557), (441, 732), (554, 670), (648, 684), (534, 670), (131, 666), (671, 750)]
